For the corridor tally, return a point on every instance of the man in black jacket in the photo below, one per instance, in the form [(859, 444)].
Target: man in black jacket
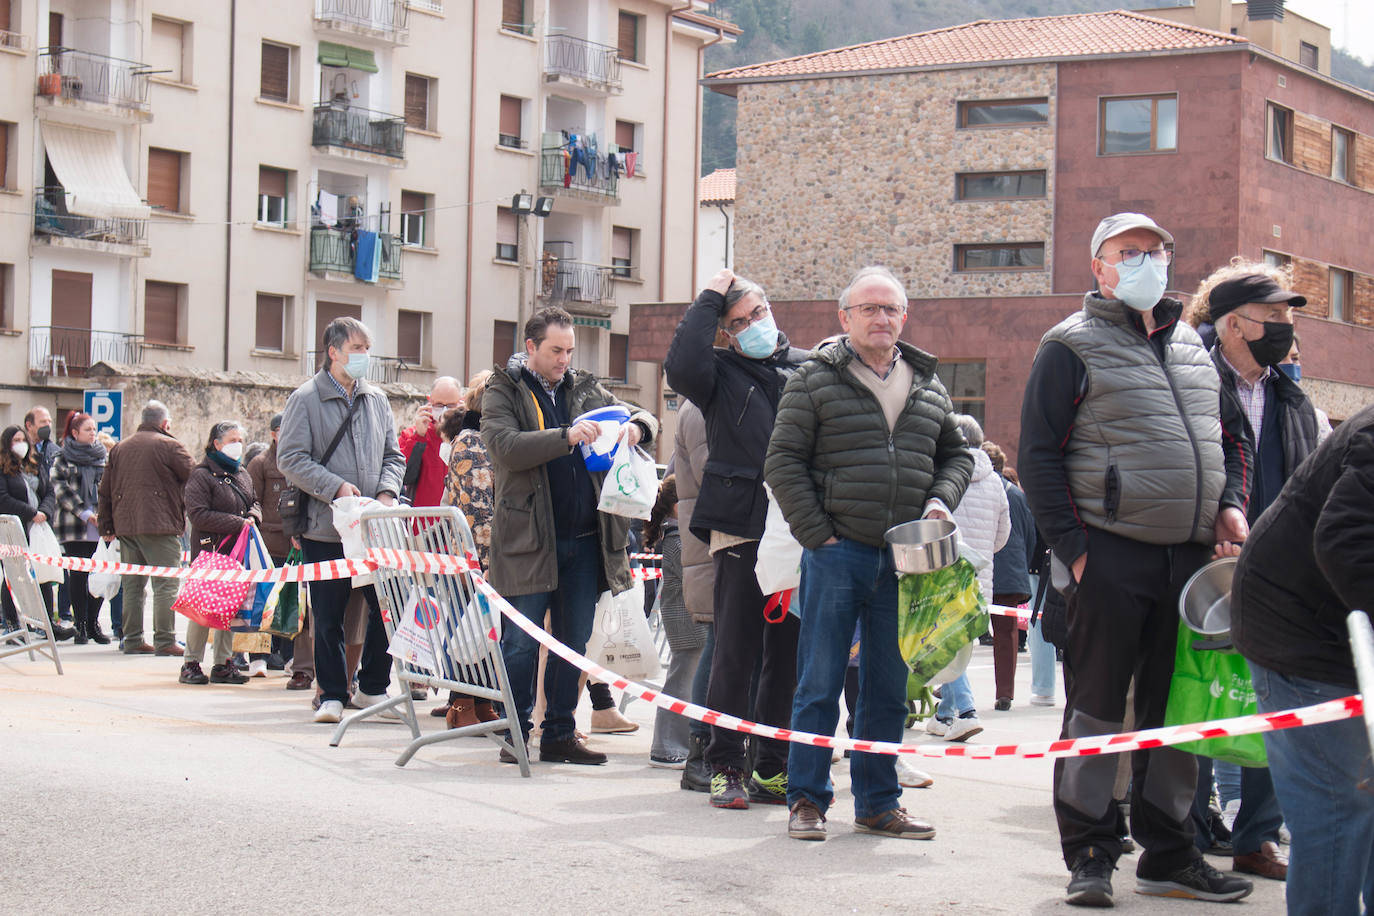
[(737, 389), (1306, 566)]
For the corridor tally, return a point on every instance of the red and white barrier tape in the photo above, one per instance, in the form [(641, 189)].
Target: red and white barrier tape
[(643, 573), (651, 557)]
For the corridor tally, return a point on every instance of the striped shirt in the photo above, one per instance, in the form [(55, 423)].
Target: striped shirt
[(1252, 398)]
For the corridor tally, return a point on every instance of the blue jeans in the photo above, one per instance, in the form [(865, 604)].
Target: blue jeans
[(572, 610), (841, 584), (700, 681), (1041, 653), (956, 698), (1316, 770)]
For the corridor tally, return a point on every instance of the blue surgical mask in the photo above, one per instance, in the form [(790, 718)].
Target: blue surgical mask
[(1292, 370), (759, 340), (1141, 286), (357, 365)]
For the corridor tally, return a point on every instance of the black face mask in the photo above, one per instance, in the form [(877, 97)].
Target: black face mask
[(1271, 348), (44, 432)]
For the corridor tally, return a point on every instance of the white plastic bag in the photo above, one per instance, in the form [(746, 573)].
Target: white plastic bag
[(104, 585), (348, 521), (778, 567), (622, 640), (631, 485), (42, 540)]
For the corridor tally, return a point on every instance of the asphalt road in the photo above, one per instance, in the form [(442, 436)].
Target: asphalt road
[(129, 793)]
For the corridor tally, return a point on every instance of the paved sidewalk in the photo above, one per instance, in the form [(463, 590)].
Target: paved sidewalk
[(130, 793)]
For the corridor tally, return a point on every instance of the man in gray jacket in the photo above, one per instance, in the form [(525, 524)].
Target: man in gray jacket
[(367, 462)]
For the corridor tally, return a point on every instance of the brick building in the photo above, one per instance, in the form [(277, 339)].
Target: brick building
[(976, 161)]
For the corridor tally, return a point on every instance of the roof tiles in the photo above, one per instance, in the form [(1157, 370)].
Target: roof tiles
[(717, 187)]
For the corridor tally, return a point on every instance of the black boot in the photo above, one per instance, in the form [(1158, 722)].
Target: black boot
[(696, 775)]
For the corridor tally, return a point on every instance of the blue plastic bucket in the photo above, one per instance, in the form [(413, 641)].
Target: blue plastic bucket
[(598, 461)]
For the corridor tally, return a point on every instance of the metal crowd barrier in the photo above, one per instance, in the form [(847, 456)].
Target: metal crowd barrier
[(28, 601), (448, 617), (1362, 647)]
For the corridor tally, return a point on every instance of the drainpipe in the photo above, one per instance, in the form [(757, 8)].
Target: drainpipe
[(472, 194), (663, 164), (725, 216), (229, 187)]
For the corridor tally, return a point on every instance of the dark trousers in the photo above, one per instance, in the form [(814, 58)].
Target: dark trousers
[(328, 602), (701, 683), (1004, 645), (85, 608), (1123, 621), (1258, 820), (743, 637)]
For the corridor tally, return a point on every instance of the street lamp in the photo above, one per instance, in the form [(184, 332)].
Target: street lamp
[(523, 204)]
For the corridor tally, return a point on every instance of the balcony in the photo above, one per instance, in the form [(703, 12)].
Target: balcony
[(53, 225), (58, 351), (578, 62), (358, 133), (585, 180), (385, 370), (579, 287), (85, 81), (13, 41), (332, 256), (381, 20)]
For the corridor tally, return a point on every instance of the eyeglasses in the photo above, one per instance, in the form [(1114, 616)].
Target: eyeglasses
[(869, 309), (1134, 257), (739, 325)]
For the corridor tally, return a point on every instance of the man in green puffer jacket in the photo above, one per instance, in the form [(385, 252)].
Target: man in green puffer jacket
[(865, 439)]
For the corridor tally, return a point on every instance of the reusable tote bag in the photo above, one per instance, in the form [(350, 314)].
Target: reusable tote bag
[(1210, 684), (43, 541), (622, 640), (255, 556), (104, 585), (631, 485), (214, 604)]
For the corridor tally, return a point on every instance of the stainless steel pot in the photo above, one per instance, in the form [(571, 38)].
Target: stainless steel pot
[(924, 545), (1205, 602)]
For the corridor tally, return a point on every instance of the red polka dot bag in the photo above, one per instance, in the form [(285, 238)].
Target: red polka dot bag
[(211, 602)]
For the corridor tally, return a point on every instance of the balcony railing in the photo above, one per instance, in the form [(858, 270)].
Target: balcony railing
[(360, 129), (14, 41), (72, 351), (573, 282), (334, 250), (584, 60), (589, 177), (389, 17), (50, 218), (88, 77), (382, 369)]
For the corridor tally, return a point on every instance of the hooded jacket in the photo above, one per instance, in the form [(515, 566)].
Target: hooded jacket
[(689, 457), (983, 516)]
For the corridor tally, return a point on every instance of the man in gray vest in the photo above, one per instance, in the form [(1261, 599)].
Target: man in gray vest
[(1135, 484)]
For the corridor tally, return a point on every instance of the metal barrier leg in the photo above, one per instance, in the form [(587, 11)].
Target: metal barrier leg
[(28, 601), (1362, 648), (373, 710)]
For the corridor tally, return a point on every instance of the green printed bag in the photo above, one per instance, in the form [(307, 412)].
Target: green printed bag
[(938, 613), (283, 615), (1210, 684)]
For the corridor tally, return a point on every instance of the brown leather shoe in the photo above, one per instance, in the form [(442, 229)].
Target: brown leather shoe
[(895, 823), (144, 649), (1269, 862), (484, 711), (806, 822), (461, 714), (173, 649), (299, 681)]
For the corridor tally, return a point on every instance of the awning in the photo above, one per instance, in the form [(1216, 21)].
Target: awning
[(91, 169), (337, 55)]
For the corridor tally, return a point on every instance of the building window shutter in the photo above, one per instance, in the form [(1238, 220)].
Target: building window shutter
[(513, 15), (271, 182), (276, 73), (410, 328), (621, 242), (507, 235), (160, 324), (625, 135), (628, 37), (164, 179), (619, 367), (167, 48), (4, 151), (414, 212), (270, 326), (417, 102), (503, 342), (510, 118)]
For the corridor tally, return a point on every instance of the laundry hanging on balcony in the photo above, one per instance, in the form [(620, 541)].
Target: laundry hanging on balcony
[(367, 261), (89, 166), (337, 55)]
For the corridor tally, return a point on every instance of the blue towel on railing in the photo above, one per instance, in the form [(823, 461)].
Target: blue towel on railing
[(367, 263)]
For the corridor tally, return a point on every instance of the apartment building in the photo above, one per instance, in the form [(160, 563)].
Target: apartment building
[(202, 186), (975, 161)]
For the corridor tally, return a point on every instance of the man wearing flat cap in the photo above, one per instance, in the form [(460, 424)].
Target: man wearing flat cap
[(1135, 484)]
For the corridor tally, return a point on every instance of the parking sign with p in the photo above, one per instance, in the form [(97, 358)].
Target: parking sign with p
[(107, 409)]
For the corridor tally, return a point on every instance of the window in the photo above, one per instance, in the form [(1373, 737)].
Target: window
[(966, 382), (502, 342), (622, 250), (410, 336), (164, 179), (1280, 133), (513, 17), (627, 135), (419, 98), (627, 37), (1000, 185), (1342, 142), (415, 209), (619, 368), (167, 50), (273, 192), (507, 235), (1148, 124), (1342, 283), (162, 308), (326, 312), (1307, 55), (1281, 261), (1004, 112), (6, 295), (275, 79), (1001, 256), (7, 143), (511, 127), (271, 325)]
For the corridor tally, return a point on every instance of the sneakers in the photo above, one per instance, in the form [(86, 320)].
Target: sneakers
[(1039, 699), (727, 789), (191, 674), (364, 700), (667, 763), (771, 791), (257, 667), (962, 728), (806, 822), (937, 727), (226, 674), (895, 823), (611, 722), (569, 750), (1198, 880), (330, 711), (911, 778), (1091, 884)]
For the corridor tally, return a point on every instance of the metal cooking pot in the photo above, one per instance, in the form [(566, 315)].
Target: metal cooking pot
[(924, 545), (1205, 602)]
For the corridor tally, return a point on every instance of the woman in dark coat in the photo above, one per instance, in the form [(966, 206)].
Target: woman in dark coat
[(26, 493), (76, 473), (219, 502)]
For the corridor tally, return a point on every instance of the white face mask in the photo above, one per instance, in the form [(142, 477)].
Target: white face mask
[(446, 452), (21, 450), (233, 451)]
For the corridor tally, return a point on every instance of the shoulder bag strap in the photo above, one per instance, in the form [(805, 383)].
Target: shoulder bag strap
[(343, 427)]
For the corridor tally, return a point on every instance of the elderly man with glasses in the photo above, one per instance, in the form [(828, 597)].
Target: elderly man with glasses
[(1136, 481), (737, 388), (866, 439)]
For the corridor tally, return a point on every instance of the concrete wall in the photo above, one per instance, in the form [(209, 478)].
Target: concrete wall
[(715, 241)]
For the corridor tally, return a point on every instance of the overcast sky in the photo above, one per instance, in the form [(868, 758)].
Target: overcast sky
[(1359, 38)]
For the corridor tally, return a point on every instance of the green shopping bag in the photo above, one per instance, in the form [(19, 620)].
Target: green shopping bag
[(938, 613), (1210, 684), (285, 605)]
